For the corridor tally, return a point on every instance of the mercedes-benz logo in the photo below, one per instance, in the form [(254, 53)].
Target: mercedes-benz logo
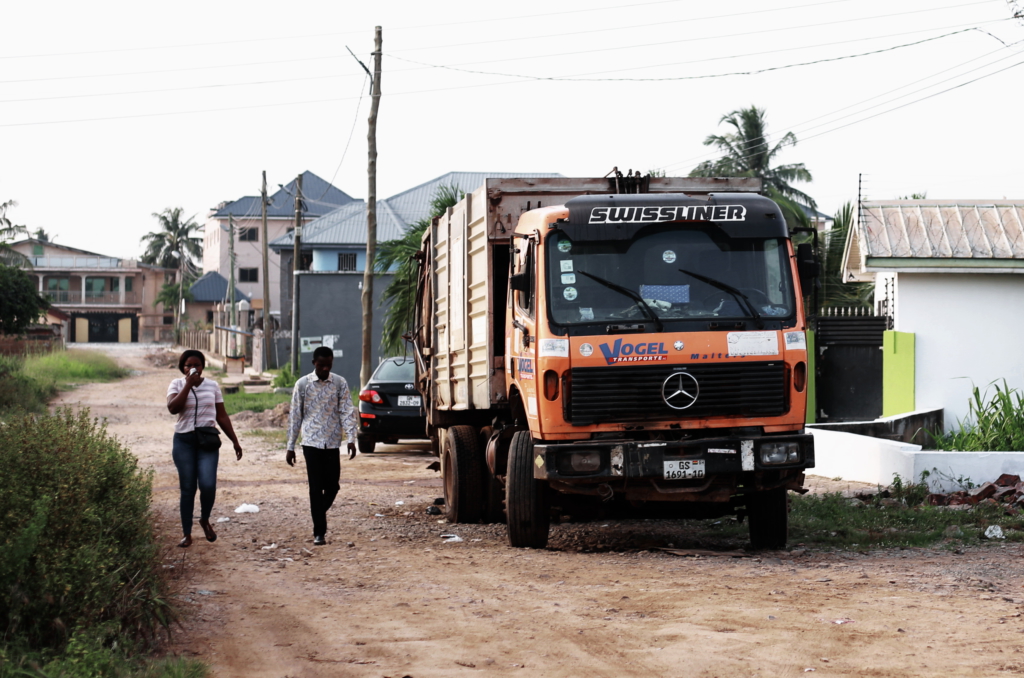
[(680, 390)]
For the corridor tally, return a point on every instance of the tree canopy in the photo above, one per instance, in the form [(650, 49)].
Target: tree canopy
[(8, 232), (20, 303), (175, 235), (747, 153)]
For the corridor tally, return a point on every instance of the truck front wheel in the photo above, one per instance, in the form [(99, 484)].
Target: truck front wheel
[(768, 513), (526, 499), (462, 469)]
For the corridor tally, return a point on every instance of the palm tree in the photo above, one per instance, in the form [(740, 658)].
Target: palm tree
[(174, 246), (747, 153), (8, 232), (834, 290), (400, 294)]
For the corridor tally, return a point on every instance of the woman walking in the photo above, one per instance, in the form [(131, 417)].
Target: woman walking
[(198, 403)]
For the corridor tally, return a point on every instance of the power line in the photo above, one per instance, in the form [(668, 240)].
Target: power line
[(355, 119)]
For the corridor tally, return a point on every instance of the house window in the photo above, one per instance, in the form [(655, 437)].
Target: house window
[(94, 287), (37, 250), (58, 284), (248, 275), (248, 235), (209, 316), (128, 284), (168, 320), (115, 284), (346, 261)]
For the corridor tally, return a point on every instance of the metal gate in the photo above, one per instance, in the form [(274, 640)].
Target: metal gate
[(849, 367)]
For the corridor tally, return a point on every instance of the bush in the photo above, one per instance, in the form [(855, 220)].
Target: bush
[(71, 367), (285, 378), (995, 424), (77, 549)]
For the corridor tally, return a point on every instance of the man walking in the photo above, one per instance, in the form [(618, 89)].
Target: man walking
[(321, 408)]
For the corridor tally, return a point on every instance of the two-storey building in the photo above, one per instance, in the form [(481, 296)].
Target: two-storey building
[(109, 299)]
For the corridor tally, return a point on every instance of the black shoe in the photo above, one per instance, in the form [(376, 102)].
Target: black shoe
[(318, 540)]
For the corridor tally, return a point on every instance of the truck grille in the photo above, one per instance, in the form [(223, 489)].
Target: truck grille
[(621, 394)]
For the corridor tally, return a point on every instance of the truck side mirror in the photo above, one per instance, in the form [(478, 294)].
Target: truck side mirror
[(520, 282), (807, 266)]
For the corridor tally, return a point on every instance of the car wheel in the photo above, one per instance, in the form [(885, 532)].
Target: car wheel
[(365, 445), (526, 503), (462, 470)]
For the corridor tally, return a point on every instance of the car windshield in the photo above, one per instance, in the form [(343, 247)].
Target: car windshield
[(680, 271), (395, 370)]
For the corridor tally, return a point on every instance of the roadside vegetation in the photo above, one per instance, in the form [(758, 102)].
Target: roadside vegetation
[(27, 384), (994, 423), (83, 591), (253, 402)]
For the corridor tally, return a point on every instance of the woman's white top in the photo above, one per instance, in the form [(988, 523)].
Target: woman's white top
[(208, 394)]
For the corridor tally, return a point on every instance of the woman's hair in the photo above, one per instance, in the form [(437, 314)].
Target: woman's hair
[(191, 353)]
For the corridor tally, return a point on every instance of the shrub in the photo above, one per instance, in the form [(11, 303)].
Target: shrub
[(995, 424), (69, 367), (285, 378), (77, 549)]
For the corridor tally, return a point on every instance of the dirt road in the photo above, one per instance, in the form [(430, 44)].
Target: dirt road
[(387, 596)]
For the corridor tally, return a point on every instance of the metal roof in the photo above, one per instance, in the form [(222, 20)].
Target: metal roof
[(347, 225), (921, 234), (214, 287), (319, 197)]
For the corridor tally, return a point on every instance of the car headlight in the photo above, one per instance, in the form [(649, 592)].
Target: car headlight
[(585, 462), (780, 453)]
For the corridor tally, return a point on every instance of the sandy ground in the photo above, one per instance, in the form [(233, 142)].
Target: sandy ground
[(387, 597)]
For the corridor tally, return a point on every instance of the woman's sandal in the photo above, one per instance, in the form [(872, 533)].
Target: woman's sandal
[(186, 541), (208, 530)]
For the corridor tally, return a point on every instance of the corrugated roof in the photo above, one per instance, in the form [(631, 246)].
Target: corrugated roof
[(965, 233), (214, 287), (319, 196), (347, 224)]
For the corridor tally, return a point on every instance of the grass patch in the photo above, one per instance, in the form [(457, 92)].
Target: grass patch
[(255, 402), (82, 588), (64, 368), (277, 437), (831, 520)]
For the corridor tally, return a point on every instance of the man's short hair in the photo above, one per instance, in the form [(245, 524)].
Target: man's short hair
[(191, 353), (322, 352)]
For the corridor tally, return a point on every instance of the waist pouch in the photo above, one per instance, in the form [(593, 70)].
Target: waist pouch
[(207, 437)]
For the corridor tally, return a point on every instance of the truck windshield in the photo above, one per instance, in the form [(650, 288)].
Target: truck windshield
[(680, 271)]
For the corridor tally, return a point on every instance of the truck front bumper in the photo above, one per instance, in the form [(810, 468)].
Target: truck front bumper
[(599, 461)]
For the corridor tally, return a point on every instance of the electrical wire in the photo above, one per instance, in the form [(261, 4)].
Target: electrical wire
[(355, 119)]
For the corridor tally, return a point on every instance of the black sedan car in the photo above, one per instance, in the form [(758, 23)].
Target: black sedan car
[(390, 407)]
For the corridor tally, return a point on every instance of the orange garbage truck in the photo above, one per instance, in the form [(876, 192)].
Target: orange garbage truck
[(634, 339)]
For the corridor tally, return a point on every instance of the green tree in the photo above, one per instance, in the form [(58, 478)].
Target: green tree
[(8, 232), (832, 248), (40, 234), (20, 303), (400, 295), (747, 153), (175, 235)]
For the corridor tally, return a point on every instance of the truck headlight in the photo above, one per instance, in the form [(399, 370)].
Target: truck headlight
[(585, 462), (780, 453)]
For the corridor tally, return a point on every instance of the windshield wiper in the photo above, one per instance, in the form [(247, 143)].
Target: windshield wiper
[(741, 298), (641, 304)]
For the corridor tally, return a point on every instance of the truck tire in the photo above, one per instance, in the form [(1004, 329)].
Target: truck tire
[(462, 470), (768, 513), (494, 494), (526, 499), (365, 445)]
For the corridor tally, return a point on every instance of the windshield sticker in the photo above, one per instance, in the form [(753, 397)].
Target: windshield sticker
[(644, 215), (566, 265), (753, 343), (554, 348), (568, 278), (796, 341), (586, 350), (644, 352), (565, 246), (586, 313), (668, 256), (569, 293), (673, 294)]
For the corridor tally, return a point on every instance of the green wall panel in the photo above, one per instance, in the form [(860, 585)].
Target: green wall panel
[(897, 373)]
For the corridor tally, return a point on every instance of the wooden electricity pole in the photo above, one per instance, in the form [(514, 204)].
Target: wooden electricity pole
[(371, 215), (266, 265), (296, 267)]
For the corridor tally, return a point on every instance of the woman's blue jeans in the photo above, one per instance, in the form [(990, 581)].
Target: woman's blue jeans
[(196, 468)]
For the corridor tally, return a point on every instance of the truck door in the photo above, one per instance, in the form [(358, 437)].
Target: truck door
[(524, 334)]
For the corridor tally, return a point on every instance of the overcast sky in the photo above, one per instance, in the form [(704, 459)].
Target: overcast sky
[(112, 111)]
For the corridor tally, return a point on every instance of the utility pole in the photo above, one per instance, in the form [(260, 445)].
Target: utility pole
[(266, 266), (232, 319), (296, 267), (371, 214)]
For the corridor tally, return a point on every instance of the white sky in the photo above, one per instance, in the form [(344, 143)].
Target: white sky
[(110, 111)]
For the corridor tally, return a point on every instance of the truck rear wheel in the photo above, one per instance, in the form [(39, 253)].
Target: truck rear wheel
[(526, 499), (494, 492), (768, 513), (462, 470)]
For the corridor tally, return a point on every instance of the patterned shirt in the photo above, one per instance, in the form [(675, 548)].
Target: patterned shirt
[(207, 394), (321, 409)]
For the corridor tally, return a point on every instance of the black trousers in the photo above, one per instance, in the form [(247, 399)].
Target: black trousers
[(323, 470)]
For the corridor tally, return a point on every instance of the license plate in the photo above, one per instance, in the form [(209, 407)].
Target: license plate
[(684, 469), (408, 401)]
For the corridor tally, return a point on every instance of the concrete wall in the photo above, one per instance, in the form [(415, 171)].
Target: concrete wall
[(331, 304), (968, 331)]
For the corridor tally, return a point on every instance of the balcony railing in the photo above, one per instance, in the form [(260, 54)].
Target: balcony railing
[(81, 262), (63, 297)]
